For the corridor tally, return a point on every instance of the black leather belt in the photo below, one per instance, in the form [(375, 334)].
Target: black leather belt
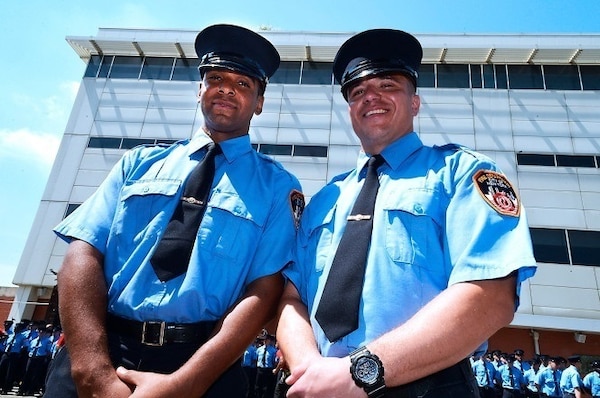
[(461, 373), (158, 333)]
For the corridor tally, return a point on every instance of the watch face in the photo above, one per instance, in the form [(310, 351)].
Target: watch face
[(366, 370)]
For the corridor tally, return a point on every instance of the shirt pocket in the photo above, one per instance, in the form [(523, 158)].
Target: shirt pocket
[(316, 236), (141, 201), (413, 219), (229, 229)]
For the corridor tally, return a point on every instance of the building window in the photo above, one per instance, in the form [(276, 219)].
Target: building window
[(186, 69), (525, 77), (129, 143), (287, 73), (550, 245), (157, 68), (562, 77), (476, 76), (453, 76), (105, 67), (590, 77), (575, 161), (585, 249), (500, 74), (488, 76), (126, 67), (426, 76), (93, 66), (317, 73), (273, 149), (71, 207), (310, 151), (532, 159), (104, 142)]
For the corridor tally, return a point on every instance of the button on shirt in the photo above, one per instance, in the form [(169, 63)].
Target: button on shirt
[(247, 231), (420, 244)]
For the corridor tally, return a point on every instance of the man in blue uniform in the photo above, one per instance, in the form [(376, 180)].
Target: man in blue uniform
[(137, 314), (591, 381), (449, 248), (571, 383)]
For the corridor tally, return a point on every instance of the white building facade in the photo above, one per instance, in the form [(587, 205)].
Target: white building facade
[(528, 101)]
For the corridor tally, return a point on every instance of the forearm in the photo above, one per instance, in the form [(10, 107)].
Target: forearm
[(82, 309), (294, 332), (446, 330), (237, 329)]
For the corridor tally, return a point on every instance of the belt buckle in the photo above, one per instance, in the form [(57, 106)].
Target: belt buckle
[(150, 329)]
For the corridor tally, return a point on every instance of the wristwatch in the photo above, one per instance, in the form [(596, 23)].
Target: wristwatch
[(367, 372)]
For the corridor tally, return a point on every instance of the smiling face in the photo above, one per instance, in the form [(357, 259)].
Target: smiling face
[(382, 109), (228, 101)]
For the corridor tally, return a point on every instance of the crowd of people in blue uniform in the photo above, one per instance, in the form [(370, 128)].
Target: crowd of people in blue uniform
[(508, 375), (26, 349)]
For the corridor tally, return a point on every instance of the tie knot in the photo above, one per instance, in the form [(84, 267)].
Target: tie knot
[(375, 161), (213, 149)]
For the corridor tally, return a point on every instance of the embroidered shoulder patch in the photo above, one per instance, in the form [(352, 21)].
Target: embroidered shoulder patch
[(497, 192), (297, 204)]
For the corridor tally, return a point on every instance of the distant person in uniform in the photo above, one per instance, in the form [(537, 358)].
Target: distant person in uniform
[(171, 272), (425, 246)]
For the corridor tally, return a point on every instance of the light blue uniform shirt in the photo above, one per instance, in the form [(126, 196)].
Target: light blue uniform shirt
[(592, 382), (512, 378), (266, 356), (41, 346), (431, 229), (570, 380), (549, 383), (249, 357), (530, 377), (485, 373), (247, 231)]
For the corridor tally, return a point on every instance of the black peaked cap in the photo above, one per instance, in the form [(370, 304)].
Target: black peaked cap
[(237, 49), (377, 51)]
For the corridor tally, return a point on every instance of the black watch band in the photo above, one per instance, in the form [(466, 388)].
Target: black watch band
[(367, 372)]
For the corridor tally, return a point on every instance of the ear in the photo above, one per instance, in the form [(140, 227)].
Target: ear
[(259, 105), (416, 104)]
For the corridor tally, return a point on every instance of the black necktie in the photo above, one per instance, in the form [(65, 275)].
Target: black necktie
[(337, 312), (556, 384), (172, 255)]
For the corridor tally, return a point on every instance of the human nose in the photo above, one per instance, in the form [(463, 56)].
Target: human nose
[(226, 87), (370, 93)]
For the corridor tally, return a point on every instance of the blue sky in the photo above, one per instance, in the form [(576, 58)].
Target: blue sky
[(40, 73)]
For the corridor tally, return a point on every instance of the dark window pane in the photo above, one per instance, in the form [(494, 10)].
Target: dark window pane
[(157, 68), (585, 247), (453, 76), (287, 73), (426, 76), (126, 67), (532, 159), (166, 142), (103, 142), (186, 69), (575, 161), (597, 161), (272, 149), (562, 77), (105, 67), (311, 151), (488, 77), (476, 79), (501, 81), (317, 73), (93, 66), (129, 143), (71, 207), (255, 147), (590, 77), (525, 76), (549, 245)]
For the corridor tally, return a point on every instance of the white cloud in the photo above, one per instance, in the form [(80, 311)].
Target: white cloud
[(39, 147)]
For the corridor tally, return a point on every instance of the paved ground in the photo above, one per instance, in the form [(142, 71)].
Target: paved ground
[(13, 394)]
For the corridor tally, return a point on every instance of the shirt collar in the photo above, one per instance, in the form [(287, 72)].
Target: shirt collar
[(232, 148), (395, 153)]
